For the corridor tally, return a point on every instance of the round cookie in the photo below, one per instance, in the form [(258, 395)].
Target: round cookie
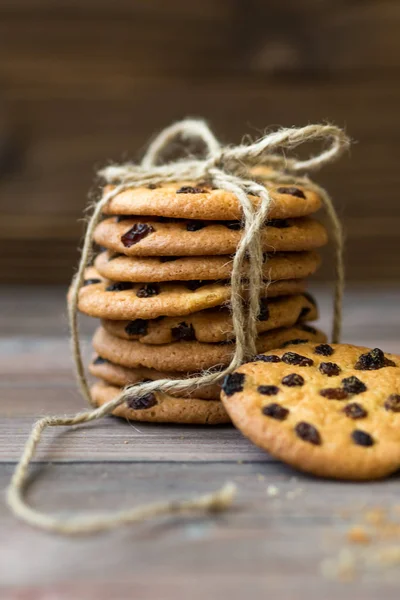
[(332, 410), (162, 408), (190, 200), (150, 237), (121, 376), (213, 325), (124, 300), (118, 267), (189, 356)]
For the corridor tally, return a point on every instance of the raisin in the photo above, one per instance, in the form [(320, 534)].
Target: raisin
[(153, 186), (294, 342), (195, 225), (278, 223), (99, 360), (164, 259), (324, 350), (188, 189), (142, 402), (393, 403), (275, 411), (362, 438), (355, 411), (330, 369), (271, 358), (183, 331), (292, 191), (124, 218), (293, 380), (308, 328), (263, 315), (334, 393), (91, 281), (119, 286), (304, 312), (234, 225), (375, 359), (148, 290), (195, 285), (136, 233), (308, 433), (268, 390), (353, 385), (137, 327), (233, 383), (292, 358)]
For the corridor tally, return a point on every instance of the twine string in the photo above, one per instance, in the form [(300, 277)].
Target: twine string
[(228, 169)]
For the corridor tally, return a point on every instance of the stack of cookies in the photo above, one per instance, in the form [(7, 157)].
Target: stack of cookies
[(161, 287)]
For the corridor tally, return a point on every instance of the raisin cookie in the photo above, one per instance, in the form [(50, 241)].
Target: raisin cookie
[(213, 325), (150, 237), (118, 267), (126, 300), (332, 410), (190, 356), (190, 200), (162, 408)]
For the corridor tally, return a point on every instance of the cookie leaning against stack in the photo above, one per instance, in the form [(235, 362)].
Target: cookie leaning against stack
[(161, 288)]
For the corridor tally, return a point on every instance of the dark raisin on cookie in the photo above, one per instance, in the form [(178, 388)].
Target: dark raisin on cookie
[(165, 259), (195, 225), (295, 342), (292, 191), (119, 286), (263, 315), (278, 223), (393, 403), (153, 186), (91, 281), (148, 290), (308, 433), (183, 331), (233, 383), (362, 438), (292, 358), (355, 411), (324, 350), (268, 390), (268, 358), (136, 233), (353, 385), (234, 225), (195, 285), (142, 402), (373, 360), (334, 393), (304, 312), (293, 380), (188, 189), (137, 327), (276, 411), (99, 360), (121, 218), (308, 328), (329, 368)]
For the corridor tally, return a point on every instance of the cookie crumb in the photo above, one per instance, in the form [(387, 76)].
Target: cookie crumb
[(272, 491), (375, 516), (358, 535)]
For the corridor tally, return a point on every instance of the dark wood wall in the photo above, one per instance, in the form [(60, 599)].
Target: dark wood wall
[(85, 81)]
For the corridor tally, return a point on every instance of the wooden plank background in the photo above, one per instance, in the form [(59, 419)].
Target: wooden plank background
[(83, 82)]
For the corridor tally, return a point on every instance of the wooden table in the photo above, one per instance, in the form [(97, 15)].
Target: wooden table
[(291, 545)]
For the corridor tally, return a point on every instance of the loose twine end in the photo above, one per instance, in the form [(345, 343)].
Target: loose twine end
[(229, 169)]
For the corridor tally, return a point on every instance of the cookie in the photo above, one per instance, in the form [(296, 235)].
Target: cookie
[(122, 376), (162, 408), (124, 300), (190, 200), (189, 356), (150, 237), (213, 325), (332, 410), (118, 267)]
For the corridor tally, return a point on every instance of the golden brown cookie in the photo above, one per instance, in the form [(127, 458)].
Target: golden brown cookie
[(161, 408), (127, 300), (190, 200), (150, 237), (213, 325), (332, 410), (189, 356), (118, 267), (122, 376)]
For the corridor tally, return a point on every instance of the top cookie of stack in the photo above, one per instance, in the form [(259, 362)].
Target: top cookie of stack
[(161, 287)]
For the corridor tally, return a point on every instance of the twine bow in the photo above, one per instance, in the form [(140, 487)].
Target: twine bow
[(227, 168)]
